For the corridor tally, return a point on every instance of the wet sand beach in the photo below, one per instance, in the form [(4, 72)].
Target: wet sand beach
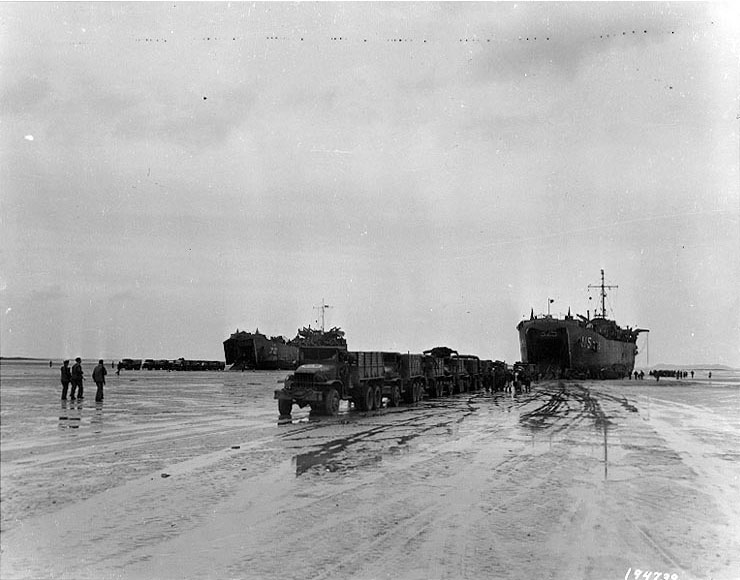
[(188, 475)]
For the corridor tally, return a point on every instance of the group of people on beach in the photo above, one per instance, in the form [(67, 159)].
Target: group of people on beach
[(677, 374), (75, 375)]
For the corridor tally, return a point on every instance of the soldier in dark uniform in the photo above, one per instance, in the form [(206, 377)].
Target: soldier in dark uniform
[(77, 378), (509, 380), (66, 378), (525, 381), (517, 384), (98, 375), (499, 378)]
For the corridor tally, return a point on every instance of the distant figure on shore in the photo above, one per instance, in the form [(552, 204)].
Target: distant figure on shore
[(642, 375), (636, 374), (710, 374), (98, 375), (77, 378), (50, 364), (66, 378)]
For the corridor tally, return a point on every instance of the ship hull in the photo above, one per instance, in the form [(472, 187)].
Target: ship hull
[(567, 348), (245, 350)]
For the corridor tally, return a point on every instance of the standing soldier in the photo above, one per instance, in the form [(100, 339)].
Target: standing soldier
[(77, 378), (66, 378), (509, 380), (499, 378), (98, 375), (525, 380)]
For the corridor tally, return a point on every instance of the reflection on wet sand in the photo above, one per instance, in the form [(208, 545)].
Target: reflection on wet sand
[(70, 416)]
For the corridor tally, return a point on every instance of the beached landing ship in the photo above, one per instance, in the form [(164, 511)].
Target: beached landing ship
[(581, 347), (245, 350)]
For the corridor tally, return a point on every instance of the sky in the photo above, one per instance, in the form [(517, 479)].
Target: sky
[(431, 171)]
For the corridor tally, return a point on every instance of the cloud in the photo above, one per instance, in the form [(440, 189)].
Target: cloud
[(23, 95), (554, 39), (190, 119), (48, 294)]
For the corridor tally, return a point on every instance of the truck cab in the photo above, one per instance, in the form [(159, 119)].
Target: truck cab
[(322, 365), (321, 380)]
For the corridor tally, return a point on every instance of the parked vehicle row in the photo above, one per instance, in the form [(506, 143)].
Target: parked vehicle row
[(180, 364)]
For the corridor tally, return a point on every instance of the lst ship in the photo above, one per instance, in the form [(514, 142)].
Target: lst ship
[(581, 347), (246, 350)]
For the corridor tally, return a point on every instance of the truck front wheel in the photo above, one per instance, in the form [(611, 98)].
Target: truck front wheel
[(365, 398), (331, 402), (378, 397), (285, 407)]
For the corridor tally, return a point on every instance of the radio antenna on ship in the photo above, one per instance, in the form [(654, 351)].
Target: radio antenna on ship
[(602, 287)]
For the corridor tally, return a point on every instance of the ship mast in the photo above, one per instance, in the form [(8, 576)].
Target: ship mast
[(602, 287), (323, 308)]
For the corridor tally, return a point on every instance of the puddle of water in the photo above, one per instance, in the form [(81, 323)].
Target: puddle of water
[(329, 461)]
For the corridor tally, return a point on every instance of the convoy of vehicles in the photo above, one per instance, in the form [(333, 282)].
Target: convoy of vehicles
[(327, 375)]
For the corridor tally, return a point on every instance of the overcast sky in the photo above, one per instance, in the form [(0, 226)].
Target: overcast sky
[(173, 171)]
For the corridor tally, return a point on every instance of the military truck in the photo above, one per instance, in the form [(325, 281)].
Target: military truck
[(327, 375), (486, 374), (129, 364), (460, 372), (404, 378), (468, 373), (500, 372), (437, 379)]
